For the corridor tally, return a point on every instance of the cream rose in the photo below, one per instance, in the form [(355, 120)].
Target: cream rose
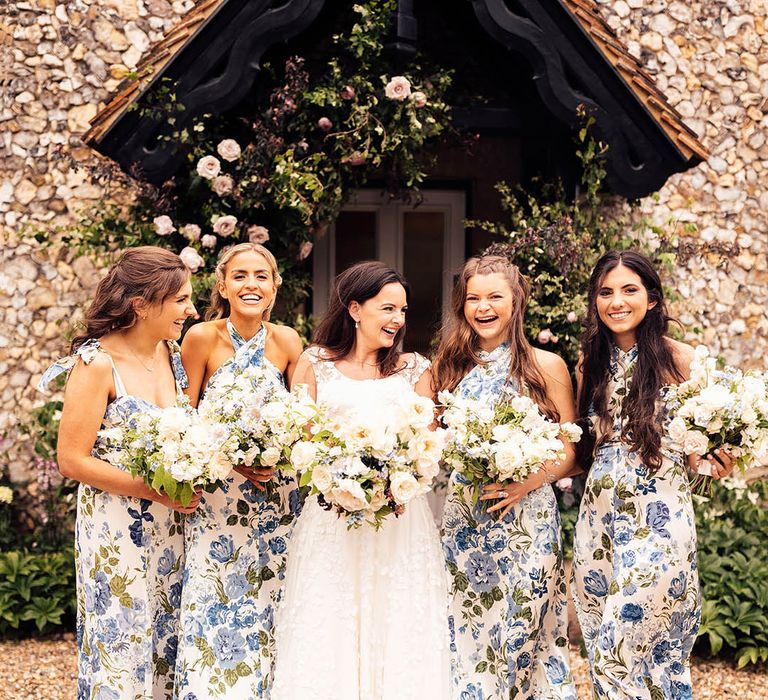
[(419, 99), (225, 225), (322, 478), (399, 88), (208, 241), (163, 225), (695, 443), (223, 185), (349, 495), (258, 234), (229, 150), (208, 167), (270, 457), (303, 455), (404, 487), (191, 258)]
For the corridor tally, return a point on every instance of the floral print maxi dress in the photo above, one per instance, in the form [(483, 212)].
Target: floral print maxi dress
[(509, 606), (635, 582), (235, 545), (129, 558)]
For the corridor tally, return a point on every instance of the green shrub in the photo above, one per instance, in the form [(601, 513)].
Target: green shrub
[(37, 593), (732, 533)]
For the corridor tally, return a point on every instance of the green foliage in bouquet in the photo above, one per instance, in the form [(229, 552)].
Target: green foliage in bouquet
[(732, 530), (280, 175), (37, 592)]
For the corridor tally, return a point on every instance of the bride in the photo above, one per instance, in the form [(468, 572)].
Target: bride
[(364, 612)]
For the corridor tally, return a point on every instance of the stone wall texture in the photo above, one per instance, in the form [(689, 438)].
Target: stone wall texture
[(59, 61)]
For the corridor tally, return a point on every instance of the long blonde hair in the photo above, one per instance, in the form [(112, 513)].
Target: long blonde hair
[(458, 351), (219, 306)]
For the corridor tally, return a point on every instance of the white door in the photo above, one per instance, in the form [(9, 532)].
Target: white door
[(425, 242)]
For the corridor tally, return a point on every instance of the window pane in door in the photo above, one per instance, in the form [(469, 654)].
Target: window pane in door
[(423, 235), (355, 238)]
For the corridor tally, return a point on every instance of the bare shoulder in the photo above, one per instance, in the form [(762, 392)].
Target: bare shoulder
[(551, 364), (94, 373), (285, 336), (203, 332)]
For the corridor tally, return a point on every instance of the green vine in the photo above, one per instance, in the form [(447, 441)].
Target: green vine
[(280, 177)]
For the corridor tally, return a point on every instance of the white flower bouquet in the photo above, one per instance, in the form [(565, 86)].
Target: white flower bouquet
[(172, 450), (719, 408), (505, 442), (365, 468), (258, 420)]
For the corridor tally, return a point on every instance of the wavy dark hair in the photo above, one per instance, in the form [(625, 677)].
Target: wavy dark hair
[(148, 273), (655, 365), (458, 351), (336, 332)]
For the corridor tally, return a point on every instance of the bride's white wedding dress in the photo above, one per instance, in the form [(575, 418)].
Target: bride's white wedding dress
[(364, 613)]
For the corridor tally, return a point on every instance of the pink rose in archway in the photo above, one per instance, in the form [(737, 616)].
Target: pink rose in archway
[(163, 225), (229, 150), (258, 234), (399, 88)]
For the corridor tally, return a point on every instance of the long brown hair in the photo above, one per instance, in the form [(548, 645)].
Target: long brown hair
[(458, 351), (148, 273), (655, 364), (336, 332), (219, 306)]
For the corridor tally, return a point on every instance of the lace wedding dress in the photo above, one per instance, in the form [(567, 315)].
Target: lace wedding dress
[(364, 614)]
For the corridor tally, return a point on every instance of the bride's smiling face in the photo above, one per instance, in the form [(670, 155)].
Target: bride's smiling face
[(381, 317)]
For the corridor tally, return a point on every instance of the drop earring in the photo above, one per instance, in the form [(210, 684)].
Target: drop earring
[(357, 325)]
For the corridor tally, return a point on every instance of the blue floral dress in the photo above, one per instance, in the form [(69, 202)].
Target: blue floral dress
[(235, 544), (129, 558), (509, 605), (635, 581)]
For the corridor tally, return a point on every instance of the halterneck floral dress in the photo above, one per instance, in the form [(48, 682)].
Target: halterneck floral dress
[(129, 558), (509, 605), (635, 581), (235, 545)]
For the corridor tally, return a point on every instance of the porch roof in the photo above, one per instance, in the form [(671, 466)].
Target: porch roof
[(121, 131)]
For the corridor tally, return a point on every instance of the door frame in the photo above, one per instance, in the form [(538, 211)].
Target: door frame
[(389, 248)]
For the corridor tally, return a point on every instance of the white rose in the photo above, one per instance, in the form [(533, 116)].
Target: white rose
[(219, 467), (509, 457), (229, 150), (695, 443), (192, 259), (677, 431), (399, 88), (349, 495), (258, 234), (163, 225), (322, 478), (225, 225), (378, 499), (403, 487), (270, 457), (223, 185), (419, 99), (191, 232), (208, 167), (208, 241), (303, 455)]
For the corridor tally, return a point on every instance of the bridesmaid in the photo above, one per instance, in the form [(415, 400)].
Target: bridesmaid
[(504, 553), (235, 543), (635, 581), (128, 538)]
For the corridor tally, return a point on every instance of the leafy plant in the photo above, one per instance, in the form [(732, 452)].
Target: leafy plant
[(732, 531), (556, 239), (37, 592), (282, 170)]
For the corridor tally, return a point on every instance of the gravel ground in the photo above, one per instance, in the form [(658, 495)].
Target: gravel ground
[(45, 670)]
